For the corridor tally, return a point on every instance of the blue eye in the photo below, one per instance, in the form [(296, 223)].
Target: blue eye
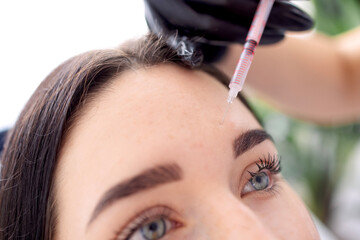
[(151, 224), (260, 181), (154, 230)]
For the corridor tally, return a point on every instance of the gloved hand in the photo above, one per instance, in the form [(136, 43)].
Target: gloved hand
[(213, 24)]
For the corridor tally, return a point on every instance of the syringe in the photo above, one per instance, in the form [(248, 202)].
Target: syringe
[(252, 40)]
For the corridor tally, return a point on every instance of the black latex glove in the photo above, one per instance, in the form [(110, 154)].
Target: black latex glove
[(213, 24)]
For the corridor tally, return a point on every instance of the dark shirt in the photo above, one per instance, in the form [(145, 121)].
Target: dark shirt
[(2, 139)]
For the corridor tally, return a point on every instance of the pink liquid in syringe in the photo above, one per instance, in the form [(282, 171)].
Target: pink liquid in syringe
[(252, 40), (246, 57)]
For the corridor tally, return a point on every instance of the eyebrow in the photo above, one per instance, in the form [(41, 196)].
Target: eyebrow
[(167, 173), (149, 178), (248, 140)]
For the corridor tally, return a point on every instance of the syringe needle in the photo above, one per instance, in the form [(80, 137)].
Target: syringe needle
[(226, 112)]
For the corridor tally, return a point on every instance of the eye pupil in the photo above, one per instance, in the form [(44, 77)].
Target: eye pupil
[(260, 181), (153, 226), (154, 229)]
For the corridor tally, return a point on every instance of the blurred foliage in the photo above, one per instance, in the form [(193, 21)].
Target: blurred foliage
[(314, 157), (336, 16)]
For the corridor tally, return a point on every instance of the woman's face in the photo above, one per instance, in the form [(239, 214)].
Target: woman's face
[(149, 159)]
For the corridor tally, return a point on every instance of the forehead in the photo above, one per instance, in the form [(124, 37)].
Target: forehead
[(147, 105), (144, 117)]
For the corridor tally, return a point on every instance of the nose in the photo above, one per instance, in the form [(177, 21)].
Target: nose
[(225, 217)]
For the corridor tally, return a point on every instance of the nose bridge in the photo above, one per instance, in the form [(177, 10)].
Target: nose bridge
[(226, 217)]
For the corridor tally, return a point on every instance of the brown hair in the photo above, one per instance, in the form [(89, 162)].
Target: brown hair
[(27, 202)]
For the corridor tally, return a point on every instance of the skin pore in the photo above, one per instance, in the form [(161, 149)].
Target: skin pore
[(164, 121)]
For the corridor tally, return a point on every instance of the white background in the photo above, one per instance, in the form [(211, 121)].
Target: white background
[(36, 36)]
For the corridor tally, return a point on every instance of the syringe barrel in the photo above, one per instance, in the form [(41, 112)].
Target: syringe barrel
[(252, 40), (243, 66), (261, 16)]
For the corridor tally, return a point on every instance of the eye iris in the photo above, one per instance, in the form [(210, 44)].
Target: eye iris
[(154, 230), (260, 181)]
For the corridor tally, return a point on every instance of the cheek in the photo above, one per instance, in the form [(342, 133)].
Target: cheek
[(284, 214)]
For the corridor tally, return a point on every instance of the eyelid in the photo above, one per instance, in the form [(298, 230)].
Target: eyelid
[(144, 216), (271, 164)]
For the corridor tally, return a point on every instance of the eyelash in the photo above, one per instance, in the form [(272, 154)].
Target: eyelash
[(142, 218), (271, 163)]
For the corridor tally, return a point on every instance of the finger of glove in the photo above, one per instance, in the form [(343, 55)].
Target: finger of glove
[(283, 15), (271, 35), (289, 17), (172, 17), (155, 22)]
